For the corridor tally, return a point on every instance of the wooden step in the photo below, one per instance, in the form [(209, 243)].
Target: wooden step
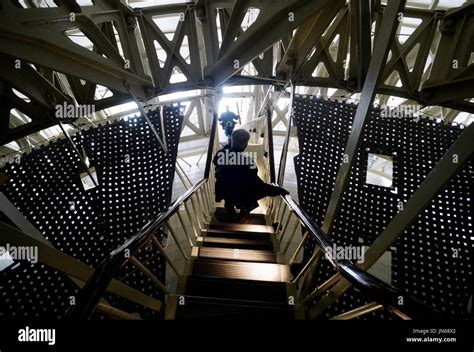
[(234, 234), (240, 243), (213, 308), (245, 228), (256, 213), (227, 269), (244, 255), (221, 215), (237, 289)]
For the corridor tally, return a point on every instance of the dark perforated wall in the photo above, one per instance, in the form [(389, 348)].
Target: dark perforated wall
[(424, 263), (135, 183)]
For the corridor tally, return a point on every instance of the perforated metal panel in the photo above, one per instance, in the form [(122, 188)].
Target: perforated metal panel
[(423, 261), (135, 183)]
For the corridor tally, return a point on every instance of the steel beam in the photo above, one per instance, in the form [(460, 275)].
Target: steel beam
[(37, 36), (284, 151), (361, 46), (381, 48), (273, 23), (306, 36), (305, 67), (31, 83), (151, 33), (462, 151)]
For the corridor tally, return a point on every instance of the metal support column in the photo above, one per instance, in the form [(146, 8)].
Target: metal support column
[(284, 151), (382, 46)]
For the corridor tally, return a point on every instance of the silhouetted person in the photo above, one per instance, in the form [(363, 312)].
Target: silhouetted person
[(237, 182), (227, 121)]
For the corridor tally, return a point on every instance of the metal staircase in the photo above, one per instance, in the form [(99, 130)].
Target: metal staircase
[(236, 271), (229, 270)]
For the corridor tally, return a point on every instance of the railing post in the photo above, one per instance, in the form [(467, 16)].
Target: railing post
[(190, 219), (183, 224), (291, 236), (173, 233), (284, 151), (287, 222), (163, 253), (298, 249), (195, 209)]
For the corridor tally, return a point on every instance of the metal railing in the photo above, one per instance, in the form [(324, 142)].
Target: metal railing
[(197, 205), (288, 216), (383, 294)]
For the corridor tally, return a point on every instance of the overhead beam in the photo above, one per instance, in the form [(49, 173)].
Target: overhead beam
[(460, 152), (37, 36), (30, 82), (306, 36), (275, 21)]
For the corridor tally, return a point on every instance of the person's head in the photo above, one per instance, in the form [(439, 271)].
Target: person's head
[(227, 108), (240, 139)]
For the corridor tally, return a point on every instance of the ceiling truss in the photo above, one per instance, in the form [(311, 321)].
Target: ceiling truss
[(319, 43)]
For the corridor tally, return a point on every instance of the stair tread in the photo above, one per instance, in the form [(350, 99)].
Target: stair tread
[(241, 270), (258, 212), (237, 289), (235, 240), (248, 255), (229, 219), (234, 234), (241, 243), (241, 227), (223, 216), (212, 308)]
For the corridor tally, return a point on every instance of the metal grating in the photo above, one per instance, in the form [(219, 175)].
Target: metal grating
[(423, 264), (135, 183)]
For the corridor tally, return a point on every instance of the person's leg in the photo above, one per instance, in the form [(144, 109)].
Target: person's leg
[(229, 206), (245, 211)]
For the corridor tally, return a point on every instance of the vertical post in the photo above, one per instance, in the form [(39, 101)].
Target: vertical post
[(83, 162), (210, 150), (284, 151), (271, 155), (360, 47)]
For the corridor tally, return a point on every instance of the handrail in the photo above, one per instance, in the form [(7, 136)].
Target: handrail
[(369, 285), (260, 118), (95, 287)]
